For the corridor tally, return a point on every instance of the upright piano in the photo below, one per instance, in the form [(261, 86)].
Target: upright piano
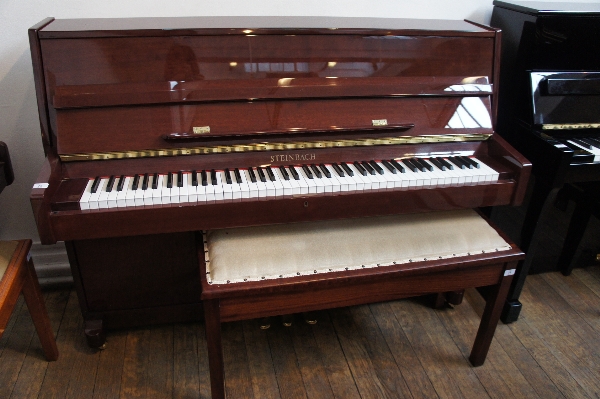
[(157, 128), (549, 105)]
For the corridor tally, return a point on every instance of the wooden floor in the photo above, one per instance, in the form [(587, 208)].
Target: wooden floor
[(400, 349)]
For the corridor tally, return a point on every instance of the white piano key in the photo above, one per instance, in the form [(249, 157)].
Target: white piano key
[(285, 184), (122, 194), (112, 195), (157, 194), (218, 188), (95, 197), (184, 190), (165, 191), (85, 197)]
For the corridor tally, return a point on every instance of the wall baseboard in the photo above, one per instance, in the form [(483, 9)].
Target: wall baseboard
[(52, 265)]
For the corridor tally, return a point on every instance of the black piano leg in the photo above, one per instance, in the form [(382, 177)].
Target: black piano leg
[(579, 220), (542, 198), (94, 333)]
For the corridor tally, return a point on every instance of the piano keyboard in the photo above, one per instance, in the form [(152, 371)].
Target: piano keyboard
[(207, 186), (588, 148)]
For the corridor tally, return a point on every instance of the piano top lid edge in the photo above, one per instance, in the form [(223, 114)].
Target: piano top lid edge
[(287, 25), (545, 8)]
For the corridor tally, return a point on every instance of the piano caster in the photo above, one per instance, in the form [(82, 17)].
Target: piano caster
[(94, 334), (287, 320), (511, 311), (309, 318), (265, 323)]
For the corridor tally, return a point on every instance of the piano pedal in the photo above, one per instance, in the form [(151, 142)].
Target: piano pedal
[(265, 323), (287, 320), (309, 318)]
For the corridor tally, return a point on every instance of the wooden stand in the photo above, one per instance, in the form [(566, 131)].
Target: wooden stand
[(256, 299), (19, 276)]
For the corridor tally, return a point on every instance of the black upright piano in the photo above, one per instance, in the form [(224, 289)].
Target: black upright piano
[(549, 104)]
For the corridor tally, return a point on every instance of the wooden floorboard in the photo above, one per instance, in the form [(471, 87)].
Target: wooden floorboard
[(399, 349)]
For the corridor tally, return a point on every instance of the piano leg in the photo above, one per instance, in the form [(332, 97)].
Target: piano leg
[(95, 334), (542, 198), (212, 320)]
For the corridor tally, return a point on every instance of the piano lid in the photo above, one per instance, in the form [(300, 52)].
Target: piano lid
[(566, 100), (141, 86)]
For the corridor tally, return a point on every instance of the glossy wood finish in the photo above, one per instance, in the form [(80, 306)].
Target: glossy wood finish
[(230, 302), (20, 277), (138, 280), (124, 84)]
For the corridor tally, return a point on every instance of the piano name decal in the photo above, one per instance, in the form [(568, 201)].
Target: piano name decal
[(275, 146), (293, 157)]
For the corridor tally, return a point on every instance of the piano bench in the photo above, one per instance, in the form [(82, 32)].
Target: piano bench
[(18, 275), (587, 204), (273, 270)]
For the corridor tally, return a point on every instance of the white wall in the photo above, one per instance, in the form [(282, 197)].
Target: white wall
[(19, 126)]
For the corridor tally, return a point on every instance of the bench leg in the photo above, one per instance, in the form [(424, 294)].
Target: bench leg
[(35, 303), (490, 317), (212, 320)]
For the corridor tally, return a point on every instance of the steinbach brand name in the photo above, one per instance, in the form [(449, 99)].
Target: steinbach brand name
[(293, 157)]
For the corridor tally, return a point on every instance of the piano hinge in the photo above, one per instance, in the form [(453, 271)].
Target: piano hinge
[(285, 146), (568, 126)]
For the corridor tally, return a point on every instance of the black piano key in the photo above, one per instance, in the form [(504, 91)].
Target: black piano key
[(398, 166), (368, 167), (316, 171), (238, 176), (307, 171), (110, 184), (204, 178), (426, 165), (145, 182), (252, 175), (194, 178), (228, 177), (294, 172), (261, 174), (582, 143), (446, 163), (270, 173), (170, 180), (338, 170), (325, 170), (376, 166), (155, 181), (471, 161), (418, 164), (121, 183), (594, 141), (95, 184), (284, 172), (465, 161), (180, 179), (457, 162), (360, 169), (346, 169), (213, 177), (410, 165), (437, 163), (389, 166), (136, 182)]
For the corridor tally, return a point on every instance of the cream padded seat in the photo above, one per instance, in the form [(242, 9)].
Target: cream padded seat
[(279, 251)]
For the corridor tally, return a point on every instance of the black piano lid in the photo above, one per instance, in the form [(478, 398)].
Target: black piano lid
[(541, 8), (565, 97)]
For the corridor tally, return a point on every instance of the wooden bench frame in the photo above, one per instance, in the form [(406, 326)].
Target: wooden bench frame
[(242, 301), (20, 277)]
